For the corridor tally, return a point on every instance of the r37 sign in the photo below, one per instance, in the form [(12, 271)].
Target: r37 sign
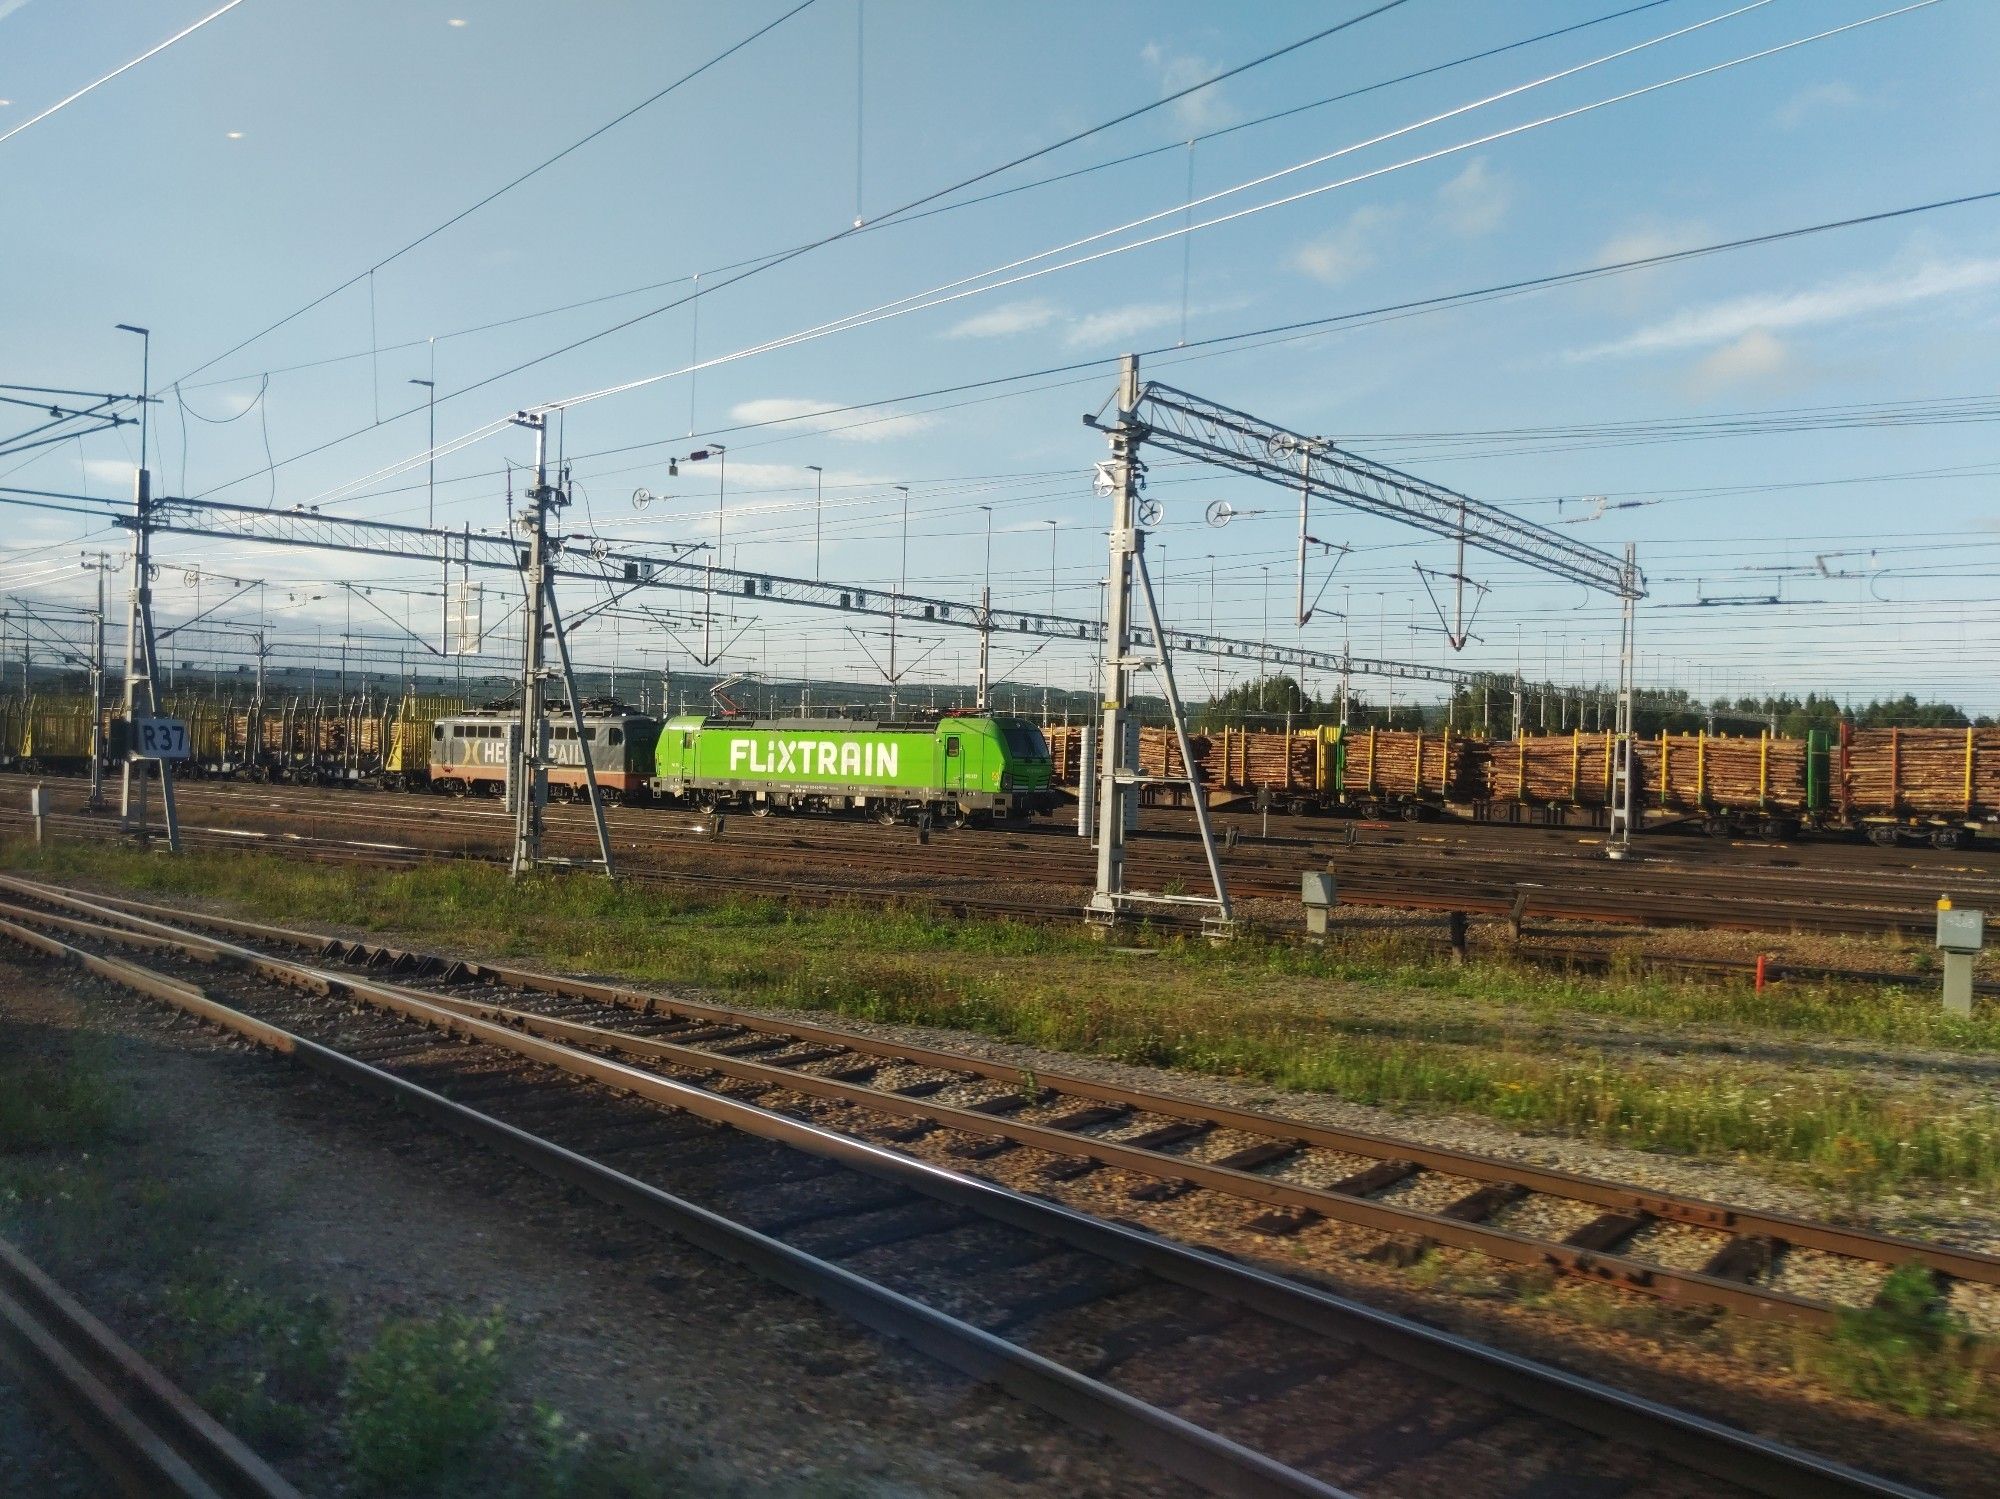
[(159, 739)]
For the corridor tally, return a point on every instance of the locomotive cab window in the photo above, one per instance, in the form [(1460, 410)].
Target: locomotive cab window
[(950, 745), (617, 736)]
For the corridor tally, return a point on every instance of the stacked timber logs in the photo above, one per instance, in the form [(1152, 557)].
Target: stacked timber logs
[(1252, 760), (1405, 762), (1704, 770), (1065, 752), (1160, 755), (1566, 770), (1953, 772)]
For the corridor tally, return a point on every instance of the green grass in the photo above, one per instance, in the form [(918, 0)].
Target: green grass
[(55, 1097), (264, 1362), (1906, 1351), (422, 1400), (1375, 1021)]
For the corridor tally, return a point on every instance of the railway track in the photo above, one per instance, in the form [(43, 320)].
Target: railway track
[(148, 1438), (1241, 1380), (1287, 1176), (1658, 893), (1570, 956)]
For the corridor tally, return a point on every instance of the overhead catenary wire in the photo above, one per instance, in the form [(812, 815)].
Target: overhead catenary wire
[(948, 292), (786, 257), (893, 310), (1302, 328), (505, 188), (982, 176), (121, 69), (890, 223)]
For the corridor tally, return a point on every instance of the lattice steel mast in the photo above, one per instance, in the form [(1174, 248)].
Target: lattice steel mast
[(541, 620)]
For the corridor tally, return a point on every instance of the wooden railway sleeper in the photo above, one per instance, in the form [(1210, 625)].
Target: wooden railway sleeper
[(1773, 1469), (1681, 1285)]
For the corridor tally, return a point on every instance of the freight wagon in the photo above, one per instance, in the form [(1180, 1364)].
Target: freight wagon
[(1729, 785), (1940, 786), (960, 769)]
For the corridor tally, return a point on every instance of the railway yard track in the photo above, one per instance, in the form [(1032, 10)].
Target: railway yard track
[(821, 858), (987, 1217), (145, 1434)]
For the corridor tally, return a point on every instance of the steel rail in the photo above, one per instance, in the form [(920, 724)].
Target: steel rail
[(1684, 1286), (1641, 898), (379, 855), (145, 1434), (1688, 1439), (1641, 909), (1204, 1457)]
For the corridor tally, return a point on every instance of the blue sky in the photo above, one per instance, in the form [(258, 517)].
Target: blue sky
[(282, 149)]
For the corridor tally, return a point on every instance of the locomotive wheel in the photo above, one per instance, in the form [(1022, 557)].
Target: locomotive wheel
[(958, 820), (760, 809), (886, 816), (1371, 811), (1948, 838), (1882, 835), (1775, 828), (1411, 811), (1715, 827)]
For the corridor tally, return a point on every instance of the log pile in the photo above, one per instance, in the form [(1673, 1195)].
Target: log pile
[(1922, 771), (1722, 772), (1405, 762), (1252, 759), (1065, 753), (1160, 754), (1567, 770)]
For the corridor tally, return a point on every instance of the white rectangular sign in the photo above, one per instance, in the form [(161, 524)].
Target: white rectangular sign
[(159, 739)]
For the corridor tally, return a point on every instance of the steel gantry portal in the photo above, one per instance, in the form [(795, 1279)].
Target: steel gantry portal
[(621, 569), (1155, 416)]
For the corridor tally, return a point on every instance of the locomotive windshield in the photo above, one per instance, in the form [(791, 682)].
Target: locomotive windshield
[(1024, 739)]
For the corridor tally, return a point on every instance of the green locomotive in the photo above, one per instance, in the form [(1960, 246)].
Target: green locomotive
[(960, 768)]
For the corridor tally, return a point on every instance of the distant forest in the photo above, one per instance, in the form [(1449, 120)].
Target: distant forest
[(1271, 702)]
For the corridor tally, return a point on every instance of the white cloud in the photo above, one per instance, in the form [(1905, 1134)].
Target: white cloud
[(876, 424), (1005, 321), (1116, 324), (1820, 98), (109, 470), (1475, 201), (1649, 240), (8, 7), (1759, 357), (1832, 302), (1343, 253), (1204, 109), (1634, 290)]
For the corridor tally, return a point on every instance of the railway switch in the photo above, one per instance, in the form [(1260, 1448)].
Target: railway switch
[(1960, 936)]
